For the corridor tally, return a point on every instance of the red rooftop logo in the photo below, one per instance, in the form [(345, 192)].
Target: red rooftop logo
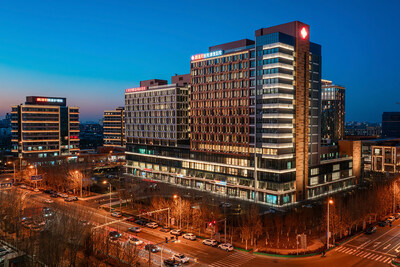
[(304, 33)]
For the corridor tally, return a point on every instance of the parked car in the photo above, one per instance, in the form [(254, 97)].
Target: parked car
[(383, 223), (135, 229), (176, 232), (391, 219), (114, 235), (225, 205), (152, 225), (153, 248), (48, 191), (54, 195), (22, 186), (210, 242), (397, 215), (63, 195), (135, 241), (140, 222), (68, 199), (226, 247), (131, 219), (48, 201), (172, 263), (165, 229), (180, 258), (116, 214), (370, 230), (189, 236)]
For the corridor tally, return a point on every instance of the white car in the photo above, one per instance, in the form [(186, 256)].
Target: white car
[(48, 201), (391, 218), (36, 190), (176, 232), (116, 214), (135, 241), (135, 229), (226, 247), (180, 258), (152, 225), (63, 195), (189, 236), (210, 242)]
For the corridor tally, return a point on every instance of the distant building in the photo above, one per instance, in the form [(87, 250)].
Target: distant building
[(362, 130), (390, 124), (91, 135), (332, 112), (44, 127), (114, 127), (5, 134)]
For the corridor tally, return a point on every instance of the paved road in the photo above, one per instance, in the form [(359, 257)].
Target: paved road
[(364, 250)]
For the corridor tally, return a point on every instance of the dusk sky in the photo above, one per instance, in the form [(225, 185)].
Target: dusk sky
[(90, 51)]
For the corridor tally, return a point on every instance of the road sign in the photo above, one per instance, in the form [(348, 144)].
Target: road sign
[(5, 185), (36, 177)]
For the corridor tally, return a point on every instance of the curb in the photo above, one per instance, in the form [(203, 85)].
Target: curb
[(286, 256)]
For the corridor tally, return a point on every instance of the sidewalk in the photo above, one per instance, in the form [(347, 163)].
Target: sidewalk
[(98, 196)]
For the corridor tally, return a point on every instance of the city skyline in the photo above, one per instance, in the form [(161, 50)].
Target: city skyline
[(91, 54)]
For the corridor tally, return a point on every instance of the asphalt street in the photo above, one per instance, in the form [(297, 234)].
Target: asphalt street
[(364, 250)]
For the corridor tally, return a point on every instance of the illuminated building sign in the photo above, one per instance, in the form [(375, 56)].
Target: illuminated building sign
[(207, 55), (304, 32), (50, 100), (137, 89)]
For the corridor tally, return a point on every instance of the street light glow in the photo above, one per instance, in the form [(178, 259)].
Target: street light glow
[(330, 201)]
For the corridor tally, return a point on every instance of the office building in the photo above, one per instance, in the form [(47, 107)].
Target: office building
[(391, 124), (114, 127), (44, 127), (332, 112), (254, 123)]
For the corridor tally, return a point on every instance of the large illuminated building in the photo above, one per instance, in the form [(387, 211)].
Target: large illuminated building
[(44, 127), (254, 123), (114, 127), (332, 113)]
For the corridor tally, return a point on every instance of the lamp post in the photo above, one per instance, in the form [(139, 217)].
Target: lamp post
[(180, 210), (77, 172), (36, 173), (330, 201), (105, 182)]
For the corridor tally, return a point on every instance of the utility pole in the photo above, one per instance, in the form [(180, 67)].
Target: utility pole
[(225, 229), (330, 201), (394, 197)]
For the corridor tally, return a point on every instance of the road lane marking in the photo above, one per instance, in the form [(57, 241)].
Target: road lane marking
[(377, 259), (364, 244), (397, 249), (376, 244), (366, 255), (386, 246)]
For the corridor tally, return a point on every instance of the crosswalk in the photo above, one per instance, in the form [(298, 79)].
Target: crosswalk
[(365, 254), (233, 260)]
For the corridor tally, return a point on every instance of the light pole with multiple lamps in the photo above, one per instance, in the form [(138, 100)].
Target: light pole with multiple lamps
[(330, 202), (180, 210)]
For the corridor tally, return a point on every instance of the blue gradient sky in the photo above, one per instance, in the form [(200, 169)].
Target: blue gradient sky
[(90, 51)]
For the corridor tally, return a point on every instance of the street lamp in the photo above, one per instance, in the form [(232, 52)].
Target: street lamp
[(33, 166), (105, 182), (77, 172), (180, 210), (330, 202)]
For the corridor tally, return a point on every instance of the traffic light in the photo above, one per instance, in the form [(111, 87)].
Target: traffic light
[(166, 239), (214, 222)]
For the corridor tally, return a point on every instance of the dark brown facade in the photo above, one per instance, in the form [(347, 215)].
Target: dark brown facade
[(220, 104)]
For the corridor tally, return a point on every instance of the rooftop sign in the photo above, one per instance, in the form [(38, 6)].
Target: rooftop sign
[(137, 89), (207, 55), (50, 100)]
